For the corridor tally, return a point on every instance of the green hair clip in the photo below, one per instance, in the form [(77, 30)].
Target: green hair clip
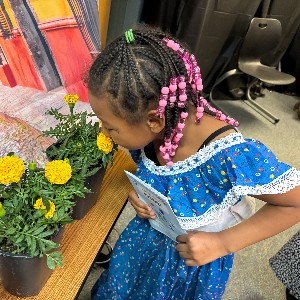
[(129, 36)]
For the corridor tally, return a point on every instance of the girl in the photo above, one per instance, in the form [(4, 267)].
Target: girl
[(146, 89)]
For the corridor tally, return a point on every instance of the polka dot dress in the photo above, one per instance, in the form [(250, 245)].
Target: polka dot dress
[(145, 264)]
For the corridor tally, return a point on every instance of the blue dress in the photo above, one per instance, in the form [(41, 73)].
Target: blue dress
[(145, 263)]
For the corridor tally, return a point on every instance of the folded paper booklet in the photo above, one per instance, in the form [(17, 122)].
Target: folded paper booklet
[(165, 221)]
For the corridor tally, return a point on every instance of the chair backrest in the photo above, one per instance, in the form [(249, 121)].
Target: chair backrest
[(262, 37)]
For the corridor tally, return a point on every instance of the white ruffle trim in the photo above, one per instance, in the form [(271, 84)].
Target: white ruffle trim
[(195, 160), (282, 184)]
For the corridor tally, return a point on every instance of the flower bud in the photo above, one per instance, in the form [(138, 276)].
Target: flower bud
[(67, 160), (2, 210), (32, 166)]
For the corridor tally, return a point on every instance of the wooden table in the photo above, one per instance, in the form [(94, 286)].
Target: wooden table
[(83, 238)]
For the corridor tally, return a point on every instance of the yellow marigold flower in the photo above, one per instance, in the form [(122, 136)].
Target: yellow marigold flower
[(39, 204), (11, 169), (58, 171), (51, 211), (104, 143), (71, 99)]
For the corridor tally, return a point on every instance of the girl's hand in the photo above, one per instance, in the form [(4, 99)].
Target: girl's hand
[(199, 248), (143, 210)]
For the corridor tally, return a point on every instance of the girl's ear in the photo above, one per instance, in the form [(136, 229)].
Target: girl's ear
[(155, 123)]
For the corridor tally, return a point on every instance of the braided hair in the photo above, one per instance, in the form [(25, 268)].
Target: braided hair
[(133, 74)]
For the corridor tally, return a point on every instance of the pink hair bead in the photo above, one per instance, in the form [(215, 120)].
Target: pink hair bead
[(181, 125), (163, 103), (169, 163), (170, 43), (222, 117), (182, 85), (198, 81), (175, 46), (183, 97), (162, 149), (199, 115), (231, 121), (200, 109), (166, 156), (199, 87), (176, 139), (165, 90), (172, 99), (173, 87), (184, 115)]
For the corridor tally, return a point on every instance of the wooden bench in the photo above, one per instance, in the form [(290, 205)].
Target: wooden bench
[(83, 238)]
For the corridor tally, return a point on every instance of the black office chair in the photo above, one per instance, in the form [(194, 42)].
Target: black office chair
[(262, 37)]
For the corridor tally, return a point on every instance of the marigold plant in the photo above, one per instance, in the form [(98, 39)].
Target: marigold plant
[(34, 204), (79, 141)]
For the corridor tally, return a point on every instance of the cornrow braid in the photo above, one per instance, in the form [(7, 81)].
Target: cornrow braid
[(147, 69)]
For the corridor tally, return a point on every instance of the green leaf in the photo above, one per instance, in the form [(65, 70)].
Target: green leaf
[(10, 231), (41, 246), (45, 233), (33, 247), (54, 259), (20, 239), (39, 230), (50, 262), (46, 203), (29, 241)]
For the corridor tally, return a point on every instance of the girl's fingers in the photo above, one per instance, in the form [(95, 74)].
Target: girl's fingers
[(145, 216), (143, 210)]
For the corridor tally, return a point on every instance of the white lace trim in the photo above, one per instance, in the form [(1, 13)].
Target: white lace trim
[(282, 184), (195, 160)]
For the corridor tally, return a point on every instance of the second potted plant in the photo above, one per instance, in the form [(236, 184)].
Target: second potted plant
[(89, 151)]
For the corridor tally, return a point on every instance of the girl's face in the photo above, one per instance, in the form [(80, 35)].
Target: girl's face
[(129, 136)]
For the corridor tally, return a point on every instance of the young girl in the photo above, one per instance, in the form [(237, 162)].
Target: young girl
[(146, 89)]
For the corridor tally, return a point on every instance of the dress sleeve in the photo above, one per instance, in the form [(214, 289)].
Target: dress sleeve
[(253, 169)]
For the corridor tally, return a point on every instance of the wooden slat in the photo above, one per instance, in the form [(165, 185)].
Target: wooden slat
[(83, 238)]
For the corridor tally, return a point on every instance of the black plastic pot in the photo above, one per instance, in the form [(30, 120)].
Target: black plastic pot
[(84, 204), (23, 275)]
